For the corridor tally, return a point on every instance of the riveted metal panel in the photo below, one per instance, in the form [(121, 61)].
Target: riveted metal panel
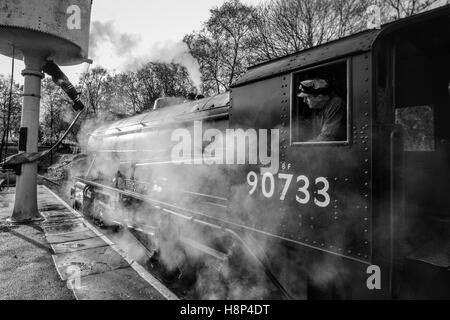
[(258, 106), (344, 226)]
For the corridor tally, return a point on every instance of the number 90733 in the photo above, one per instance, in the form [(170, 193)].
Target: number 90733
[(304, 194)]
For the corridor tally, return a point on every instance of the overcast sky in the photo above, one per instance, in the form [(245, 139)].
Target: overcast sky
[(149, 22)]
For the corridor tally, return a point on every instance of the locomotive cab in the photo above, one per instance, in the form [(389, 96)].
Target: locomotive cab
[(412, 79), (371, 197)]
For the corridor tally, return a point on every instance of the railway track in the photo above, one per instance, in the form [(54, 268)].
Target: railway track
[(181, 280), (189, 279)]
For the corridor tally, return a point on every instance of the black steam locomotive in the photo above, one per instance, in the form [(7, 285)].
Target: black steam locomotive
[(237, 178)]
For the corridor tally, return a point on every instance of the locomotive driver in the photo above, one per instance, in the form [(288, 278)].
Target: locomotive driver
[(329, 111)]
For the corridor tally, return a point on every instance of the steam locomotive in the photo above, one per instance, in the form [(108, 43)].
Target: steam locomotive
[(237, 178)]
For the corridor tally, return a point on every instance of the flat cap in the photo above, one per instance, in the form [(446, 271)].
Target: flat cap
[(313, 87)]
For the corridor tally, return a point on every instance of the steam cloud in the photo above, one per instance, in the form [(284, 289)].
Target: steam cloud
[(125, 44), (173, 52), (102, 32), (178, 52)]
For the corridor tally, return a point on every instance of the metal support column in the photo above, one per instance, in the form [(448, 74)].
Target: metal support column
[(25, 206)]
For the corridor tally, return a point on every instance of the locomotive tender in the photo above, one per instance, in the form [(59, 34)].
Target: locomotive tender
[(328, 211)]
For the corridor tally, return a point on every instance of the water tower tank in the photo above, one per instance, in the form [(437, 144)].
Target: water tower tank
[(52, 28)]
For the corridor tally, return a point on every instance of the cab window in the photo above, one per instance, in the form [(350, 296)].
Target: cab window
[(320, 112)]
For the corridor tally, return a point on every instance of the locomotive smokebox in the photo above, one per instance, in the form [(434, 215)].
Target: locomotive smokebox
[(36, 31)]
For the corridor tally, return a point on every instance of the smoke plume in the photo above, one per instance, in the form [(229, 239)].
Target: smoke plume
[(172, 52), (125, 44), (106, 32)]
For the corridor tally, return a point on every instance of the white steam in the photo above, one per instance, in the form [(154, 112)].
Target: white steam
[(169, 52), (177, 52), (106, 32), (126, 48)]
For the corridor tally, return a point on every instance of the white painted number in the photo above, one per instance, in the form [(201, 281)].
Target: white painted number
[(323, 199), (252, 180), (74, 21), (323, 192), (303, 190), (288, 178), (268, 194)]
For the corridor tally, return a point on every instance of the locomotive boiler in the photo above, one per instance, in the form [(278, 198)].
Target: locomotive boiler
[(238, 178)]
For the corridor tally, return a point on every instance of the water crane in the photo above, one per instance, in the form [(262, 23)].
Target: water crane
[(44, 34)]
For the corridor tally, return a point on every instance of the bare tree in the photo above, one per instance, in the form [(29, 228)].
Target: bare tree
[(208, 51), (224, 46), (130, 89), (96, 88), (55, 112), (161, 79), (397, 9), (10, 111), (287, 26)]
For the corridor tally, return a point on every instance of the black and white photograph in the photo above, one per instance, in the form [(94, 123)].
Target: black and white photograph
[(224, 155)]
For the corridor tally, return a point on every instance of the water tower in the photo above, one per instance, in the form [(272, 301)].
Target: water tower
[(36, 31)]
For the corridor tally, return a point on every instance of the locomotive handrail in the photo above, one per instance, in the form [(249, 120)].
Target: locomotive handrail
[(141, 120), (161, 124), (145, 198), (396, 201)]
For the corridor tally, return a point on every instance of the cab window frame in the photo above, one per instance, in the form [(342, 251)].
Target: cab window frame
[(294, 101)]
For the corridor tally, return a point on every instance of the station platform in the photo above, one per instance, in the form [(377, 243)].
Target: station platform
[(64, 257)]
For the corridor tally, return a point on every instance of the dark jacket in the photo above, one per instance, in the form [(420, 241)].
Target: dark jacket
[(330, 122)]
